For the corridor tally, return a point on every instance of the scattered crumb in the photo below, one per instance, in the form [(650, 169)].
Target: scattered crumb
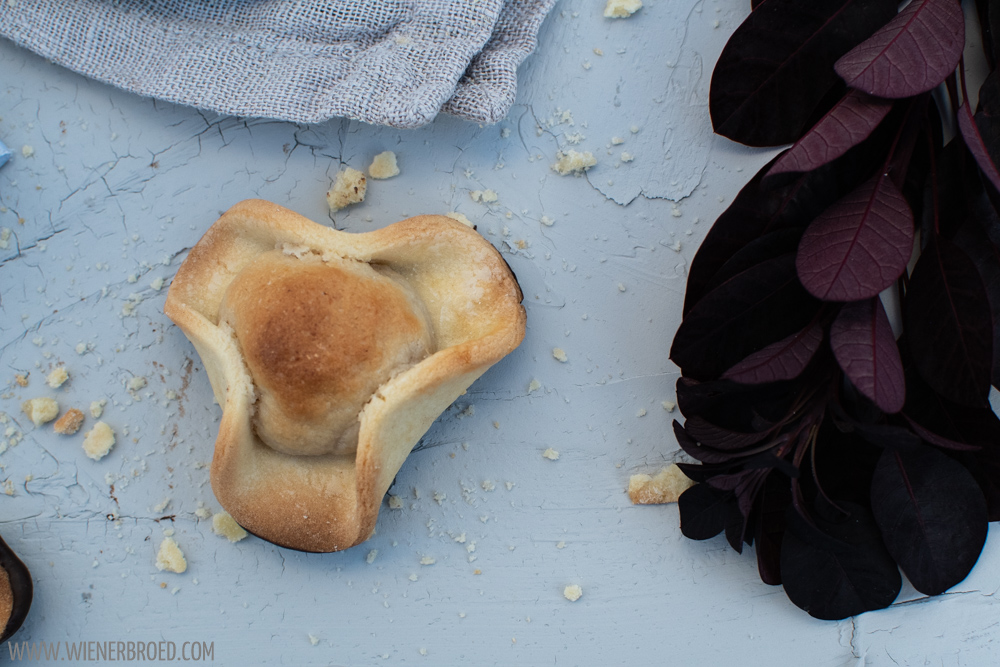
[(40, 410), (559, 354), (384, 166), (370, 558), (488, 485), (202, 513), (97, 408), (395, 503), (136, 383), (423, 651), (617, 141), (170, 557), (225, 526), (440, 497), (534, 385), (551, 454), (69, 423), (57, 377), (413, 577), (621, 9), (634, 129), (666, 487), (573, 162), (485, 196), (313, 639), (349, 187), (627, 157), (157, 283), (162, 505), (21, 380), (5, 233), (641, 412), (427, 560), (27, 151), (454, 215), (572, 592), (668, 405), (547, 221), (98, 441), (560, 544)]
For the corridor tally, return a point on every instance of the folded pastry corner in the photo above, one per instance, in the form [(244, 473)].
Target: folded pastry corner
[(332, 353)]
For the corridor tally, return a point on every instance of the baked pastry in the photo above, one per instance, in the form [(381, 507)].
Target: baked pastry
[(331, 354)]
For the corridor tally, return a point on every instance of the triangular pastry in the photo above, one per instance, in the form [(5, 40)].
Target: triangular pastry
[(331, 354)]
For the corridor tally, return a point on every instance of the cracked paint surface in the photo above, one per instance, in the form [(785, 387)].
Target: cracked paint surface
[(119, 188)]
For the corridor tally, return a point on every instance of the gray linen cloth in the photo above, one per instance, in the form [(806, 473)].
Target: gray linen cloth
[(388, 62)]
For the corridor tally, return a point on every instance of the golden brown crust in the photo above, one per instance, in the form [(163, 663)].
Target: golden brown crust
[(430, 274)]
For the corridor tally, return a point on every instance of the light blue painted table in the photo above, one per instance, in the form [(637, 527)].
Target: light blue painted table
[(119, 188)]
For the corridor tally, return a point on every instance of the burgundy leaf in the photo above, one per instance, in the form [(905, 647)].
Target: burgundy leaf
[(751, 310), (783, 360), (700, 452), (865, 348), (859, 246), (709, 434), (911, 54), (705, 511), (777, 68), (947, 424), (978, 238), (974, 140), (847, 124), (937, 440), (931, 514), (948, 323)]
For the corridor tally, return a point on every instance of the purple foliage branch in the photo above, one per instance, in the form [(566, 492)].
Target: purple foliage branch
[(843, 453)]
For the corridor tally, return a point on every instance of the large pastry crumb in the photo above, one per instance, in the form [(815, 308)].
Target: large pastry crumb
[(551, 454), (69, 423), (666, 487), (559, 354), (225, 526), (460, 217), (170, 557), (57, 377), (349, 188), (98, 441), (621, 9), (40, 410), (384, 166), (97, 408), (573, 162), (572, 592)]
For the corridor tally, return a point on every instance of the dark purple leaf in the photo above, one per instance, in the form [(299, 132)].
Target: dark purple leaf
[(717, 437), (859, 246), (734, 406), (932, 516), (700, 452), (979, 238), (911, 54), (945, 423), (770, 245), (775, 498), (783, 360), (974, 140), (985, 467), (705, 511), (989, 24), (751, 310), (835, 570), (948, 323), (865, 348), (848, 123), (778, 66)]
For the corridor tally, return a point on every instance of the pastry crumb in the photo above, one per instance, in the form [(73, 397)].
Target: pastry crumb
[(313, 639), (370, 558), (349, 187), (668, 405), (225, 526), (98, 441), (136, 383), (21, 379), (57, 377), (666, 487), (550, 454), (573, 592), (534, 385), (395, 503), (40, 410), (69, 423), (97, 408), (573, 162), (627, 157), (559, 354), (621, 9), (202, 513), (454, 215), (427, 560), (384, 166), (170, 557)]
